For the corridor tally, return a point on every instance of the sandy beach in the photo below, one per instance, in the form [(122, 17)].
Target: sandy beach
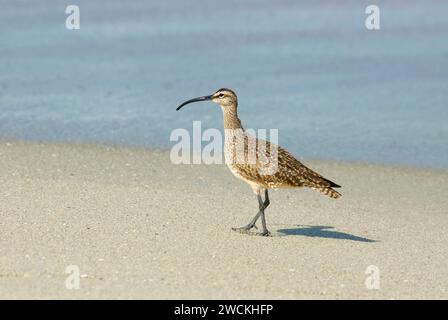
[(139, 227)]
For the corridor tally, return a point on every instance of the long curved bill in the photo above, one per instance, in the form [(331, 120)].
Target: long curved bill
[(204, 98)]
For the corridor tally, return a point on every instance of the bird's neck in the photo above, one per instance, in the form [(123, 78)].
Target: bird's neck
[(231, 120)]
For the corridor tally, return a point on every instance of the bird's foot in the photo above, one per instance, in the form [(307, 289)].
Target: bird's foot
[(244, 229), (264, 233)]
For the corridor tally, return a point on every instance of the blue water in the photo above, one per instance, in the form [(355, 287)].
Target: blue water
[(334, 89)]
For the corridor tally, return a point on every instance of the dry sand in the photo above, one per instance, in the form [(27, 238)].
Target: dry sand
[(139, 227)]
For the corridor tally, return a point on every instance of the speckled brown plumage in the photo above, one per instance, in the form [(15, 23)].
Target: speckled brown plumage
[(291, 173)]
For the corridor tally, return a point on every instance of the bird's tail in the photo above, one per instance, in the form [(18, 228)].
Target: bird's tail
[(329, 192)]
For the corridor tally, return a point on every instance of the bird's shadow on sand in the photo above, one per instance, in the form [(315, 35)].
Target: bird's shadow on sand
[(321, 232)]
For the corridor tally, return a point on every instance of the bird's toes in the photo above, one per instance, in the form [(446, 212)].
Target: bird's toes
[(265, 233)]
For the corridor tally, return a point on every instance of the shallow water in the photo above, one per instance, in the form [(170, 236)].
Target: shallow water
[(334, 89)]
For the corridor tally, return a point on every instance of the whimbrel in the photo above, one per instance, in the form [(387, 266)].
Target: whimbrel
[(289, 173)]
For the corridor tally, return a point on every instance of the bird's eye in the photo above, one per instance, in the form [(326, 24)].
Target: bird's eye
[(221, 95)]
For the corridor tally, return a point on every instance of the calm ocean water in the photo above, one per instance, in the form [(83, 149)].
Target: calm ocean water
[(334, 89)]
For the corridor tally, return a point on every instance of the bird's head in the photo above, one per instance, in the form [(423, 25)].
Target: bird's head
[(226, 98)]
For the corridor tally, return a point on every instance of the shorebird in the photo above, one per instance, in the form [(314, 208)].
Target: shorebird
[(289, 172)]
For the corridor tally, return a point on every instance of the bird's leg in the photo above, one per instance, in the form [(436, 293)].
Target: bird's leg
[(262, 205), (251, 224), (265, 204)]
